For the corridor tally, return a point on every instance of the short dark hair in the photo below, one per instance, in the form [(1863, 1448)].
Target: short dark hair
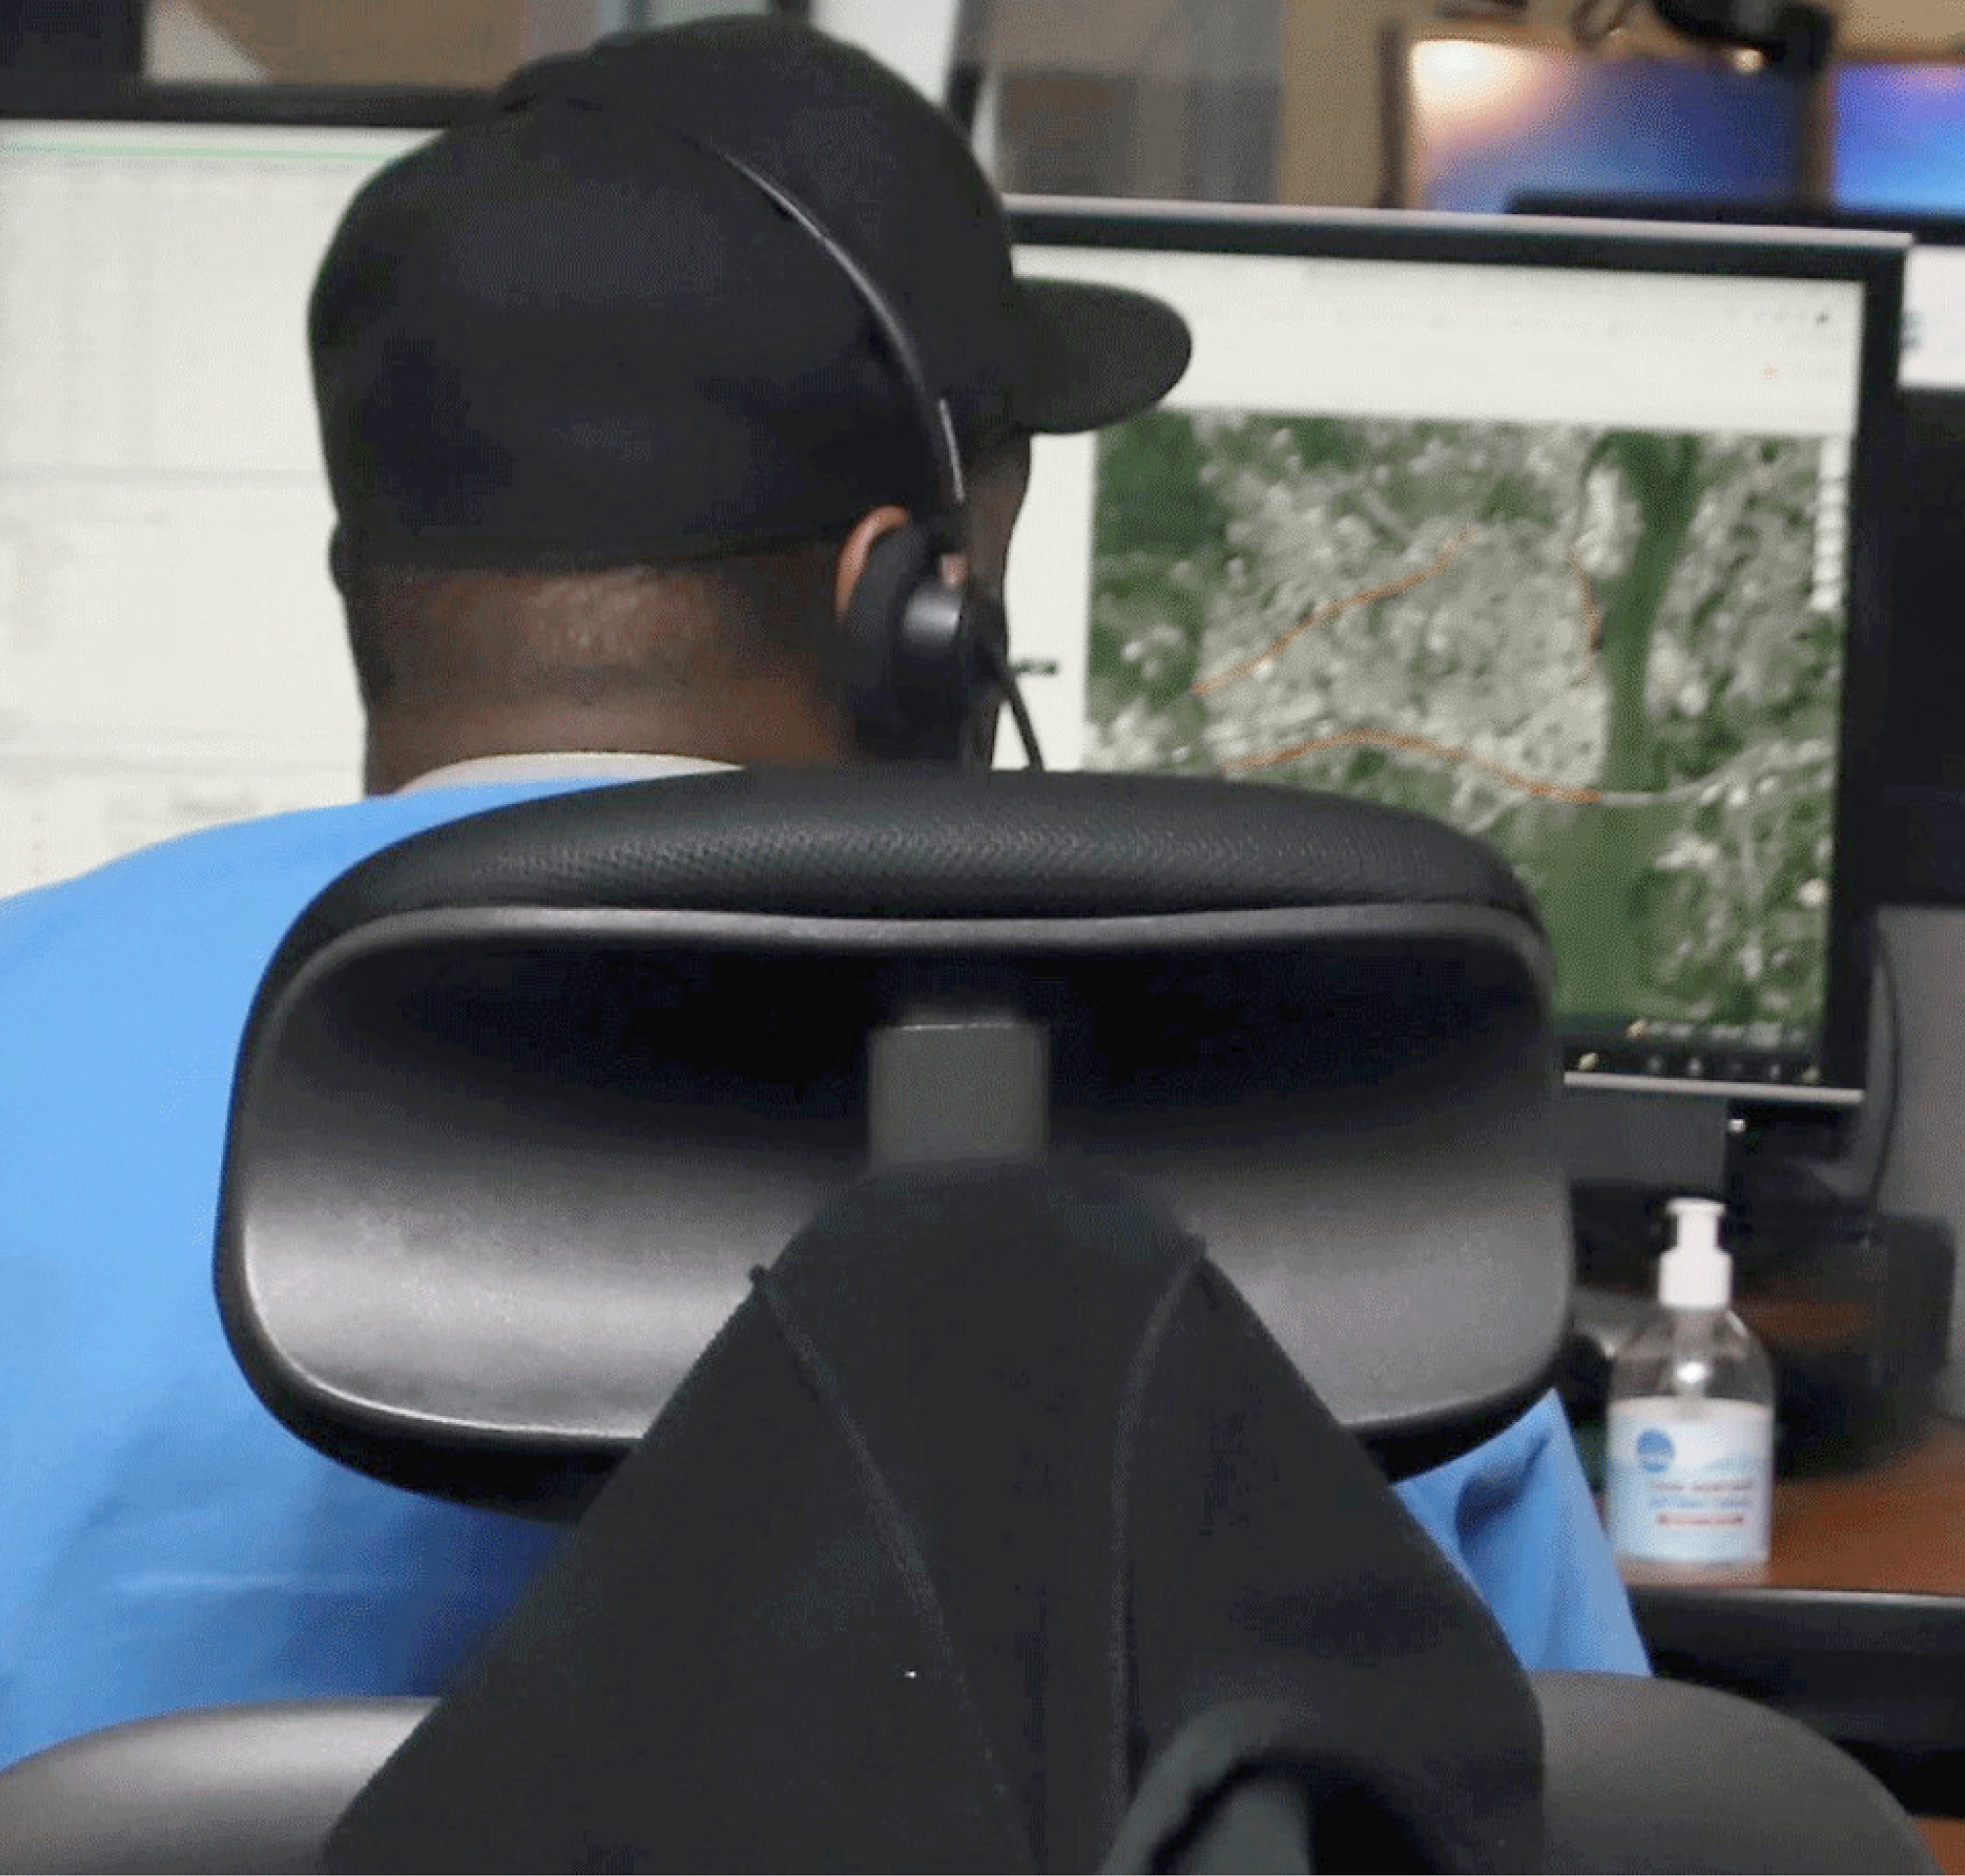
[(513, 634)]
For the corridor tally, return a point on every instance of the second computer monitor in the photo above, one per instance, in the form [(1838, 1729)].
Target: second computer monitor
[(172, 652), (1475, 116), (1557, 536), (1900, 135)]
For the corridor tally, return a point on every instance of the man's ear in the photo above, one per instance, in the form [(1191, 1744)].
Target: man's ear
[(871, 527)]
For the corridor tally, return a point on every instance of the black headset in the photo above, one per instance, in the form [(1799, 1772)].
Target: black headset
[(925, 659)]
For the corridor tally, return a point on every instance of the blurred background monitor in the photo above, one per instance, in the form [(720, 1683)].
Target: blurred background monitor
[(1899, 136), (1564, 533), (1474, 119), (171, 648)]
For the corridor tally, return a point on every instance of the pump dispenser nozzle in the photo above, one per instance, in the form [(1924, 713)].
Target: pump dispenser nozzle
[(1695, 1273)]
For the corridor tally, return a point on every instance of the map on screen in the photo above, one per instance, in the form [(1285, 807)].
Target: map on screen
[(1614, 652)]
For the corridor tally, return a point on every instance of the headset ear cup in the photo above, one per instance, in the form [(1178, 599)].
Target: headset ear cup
[(940, 675), (872, 628)]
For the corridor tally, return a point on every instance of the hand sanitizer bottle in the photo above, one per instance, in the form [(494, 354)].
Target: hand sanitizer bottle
[(1691, 1418)]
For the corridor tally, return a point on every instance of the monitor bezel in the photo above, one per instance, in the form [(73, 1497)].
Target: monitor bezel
[(1927, 228), (1872, 262), (75, 97)]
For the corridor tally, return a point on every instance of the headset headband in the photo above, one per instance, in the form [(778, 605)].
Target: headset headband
[(931, 411)]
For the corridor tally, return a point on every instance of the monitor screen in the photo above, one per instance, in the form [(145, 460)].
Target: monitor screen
[(1549, 533), (1934, 288), (171, 648), (1919, 740), (1900, 135), (1478, 120)]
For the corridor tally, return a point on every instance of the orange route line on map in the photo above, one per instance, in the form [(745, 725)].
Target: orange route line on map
[(1419, 745), (1593, 617), (1334, 608)]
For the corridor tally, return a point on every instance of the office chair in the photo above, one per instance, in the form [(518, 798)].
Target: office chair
[(1318, 1031)]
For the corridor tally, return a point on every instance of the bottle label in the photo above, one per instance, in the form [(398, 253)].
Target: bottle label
[(1691, 1481)]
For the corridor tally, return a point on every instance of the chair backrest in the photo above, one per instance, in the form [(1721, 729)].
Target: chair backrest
[(523, 1099), (518, 1098)]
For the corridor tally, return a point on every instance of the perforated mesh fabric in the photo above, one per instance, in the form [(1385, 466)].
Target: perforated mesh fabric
[(922, 843)]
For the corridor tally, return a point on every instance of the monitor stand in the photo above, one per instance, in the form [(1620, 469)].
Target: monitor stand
[(1667, 1142)]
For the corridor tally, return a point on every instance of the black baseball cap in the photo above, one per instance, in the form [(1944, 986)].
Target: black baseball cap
[(569, 333)]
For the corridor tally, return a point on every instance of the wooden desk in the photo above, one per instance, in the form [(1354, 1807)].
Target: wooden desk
[(1898, 1527)]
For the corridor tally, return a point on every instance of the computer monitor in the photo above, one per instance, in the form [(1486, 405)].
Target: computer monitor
[(1474, 118), (1899, 136), (1934, 293), (1563, 535), (171, 648), (1920, 833)]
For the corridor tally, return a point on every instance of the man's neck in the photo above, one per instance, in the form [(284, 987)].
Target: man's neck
[(742, 725)]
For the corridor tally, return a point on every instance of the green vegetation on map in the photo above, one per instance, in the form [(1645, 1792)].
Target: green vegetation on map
[(1602, 650)]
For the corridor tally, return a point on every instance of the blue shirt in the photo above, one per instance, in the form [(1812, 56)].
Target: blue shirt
[(165, 1542), (1516, 1517)]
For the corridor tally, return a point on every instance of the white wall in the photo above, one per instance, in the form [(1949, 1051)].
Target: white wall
[(1933, 24), (916, 37)]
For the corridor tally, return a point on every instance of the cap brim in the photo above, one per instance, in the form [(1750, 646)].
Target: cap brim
[(1097, 355)]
